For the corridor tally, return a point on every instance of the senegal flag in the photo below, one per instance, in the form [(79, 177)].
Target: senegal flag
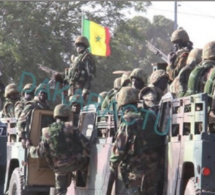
[(98, 36)]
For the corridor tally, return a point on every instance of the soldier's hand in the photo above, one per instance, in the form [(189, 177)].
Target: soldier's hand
[(23, 143), (27, 144), (171, 57)]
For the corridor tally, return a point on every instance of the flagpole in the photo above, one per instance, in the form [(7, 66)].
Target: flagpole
[(82, 23)]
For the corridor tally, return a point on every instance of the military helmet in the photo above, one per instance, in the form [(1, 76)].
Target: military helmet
[(127, 95), (138, 73), (117, 83), (180, 34), (27, 87), (41, 87), (158, 74), (208, 51), (194, 55), (125, 77), (82, 40), (10, 89), (61, 110), (102, 95)]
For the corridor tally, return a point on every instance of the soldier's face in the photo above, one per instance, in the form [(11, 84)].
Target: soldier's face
[(136, 83), (43, 96), (80, 48), (29, 96), (14, 96)]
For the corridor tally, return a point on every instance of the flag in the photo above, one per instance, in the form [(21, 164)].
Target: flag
[(98, 36)]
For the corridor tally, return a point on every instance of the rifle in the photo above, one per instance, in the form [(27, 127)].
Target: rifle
[(48, 70), (156, 51)]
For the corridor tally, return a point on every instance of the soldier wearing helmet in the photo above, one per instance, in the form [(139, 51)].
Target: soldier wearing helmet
[(39, 102), (179, 86), (136, 146), (82, 70), (65, 148), (138, 78), (27, 95), (11, 95), (177, 59), (151, 95), (202, 77)]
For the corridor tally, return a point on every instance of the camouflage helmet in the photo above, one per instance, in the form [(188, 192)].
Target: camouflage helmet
[(61, 110), (41, 87), (208, 51), (125, 77), (127, 95), (102, 95), (194, 55), (27, 87), (117, 83), (10, 89), (82, 40), (156, 75), (138, 73), (180, 34)]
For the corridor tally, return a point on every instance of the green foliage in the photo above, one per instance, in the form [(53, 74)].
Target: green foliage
[(44, 32)]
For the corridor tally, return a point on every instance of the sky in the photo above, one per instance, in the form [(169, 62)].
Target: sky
[(196, 17)]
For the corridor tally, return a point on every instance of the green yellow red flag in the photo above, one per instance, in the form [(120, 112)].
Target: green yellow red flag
[(98, 36)]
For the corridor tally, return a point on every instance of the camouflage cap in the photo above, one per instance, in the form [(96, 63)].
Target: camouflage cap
[(180, 34), (157, 75), (208, 51), (138, 73), (117, 83), (194, 55), (82, 40), (127, 95), (61, 110), (10, 89)]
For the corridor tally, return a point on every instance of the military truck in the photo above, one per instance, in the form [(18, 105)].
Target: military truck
[(25, 175), (190, 143)]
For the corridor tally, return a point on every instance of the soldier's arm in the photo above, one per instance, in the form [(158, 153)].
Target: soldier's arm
[(10, 110)]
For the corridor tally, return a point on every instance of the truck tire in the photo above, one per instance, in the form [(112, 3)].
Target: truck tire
[(16, 183), (191, 188)]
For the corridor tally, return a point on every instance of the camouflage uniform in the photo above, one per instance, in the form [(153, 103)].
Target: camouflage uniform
[(8, 108), (179, 85), (25, 116), (152, 94), (66, 153), (19, 106), (82, 71), (200, 79), (177, 60), (136, 150)]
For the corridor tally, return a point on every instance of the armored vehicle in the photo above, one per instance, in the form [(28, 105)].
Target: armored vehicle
[(24, 175), (190, 143)]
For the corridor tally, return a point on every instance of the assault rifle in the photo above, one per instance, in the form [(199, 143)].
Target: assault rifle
[(156, 51), (48, 70)]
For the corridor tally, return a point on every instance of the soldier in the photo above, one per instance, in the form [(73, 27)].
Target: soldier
[(65, 148), (136, 148), (111, 95), (39, 102), (179, 86), (199, 79), (138, 78), (82, 71), (152, 94), (11, 96), (178, 58), (101, 97), (26, 96)]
